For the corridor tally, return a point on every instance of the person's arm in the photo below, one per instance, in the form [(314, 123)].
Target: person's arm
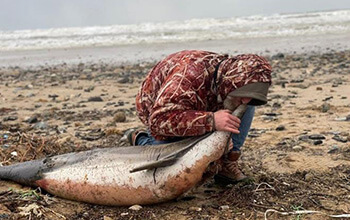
[(181, 122), (193, 123)]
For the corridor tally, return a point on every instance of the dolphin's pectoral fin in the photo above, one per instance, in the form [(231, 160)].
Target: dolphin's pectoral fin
[(155, 164), (171, 158)]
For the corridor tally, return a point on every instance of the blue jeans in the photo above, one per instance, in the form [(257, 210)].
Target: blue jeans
[(237, 139)]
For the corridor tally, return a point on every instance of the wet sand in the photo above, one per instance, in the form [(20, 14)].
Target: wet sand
[(298, 151)]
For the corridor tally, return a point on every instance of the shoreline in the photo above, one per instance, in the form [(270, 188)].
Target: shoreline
[(133, 54)]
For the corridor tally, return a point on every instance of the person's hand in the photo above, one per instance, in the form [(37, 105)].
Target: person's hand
[(225, 121)]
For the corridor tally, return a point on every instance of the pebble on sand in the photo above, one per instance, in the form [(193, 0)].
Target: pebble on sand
[(135, 207), (318, 142), (297, 148), (119, 117), (316, 137), (32, 120), (197, 209), (333, 149), (280, 128), (340, 138), (308, 177), (95, 99), (224, 207)]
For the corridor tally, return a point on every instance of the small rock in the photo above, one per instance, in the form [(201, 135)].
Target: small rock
[(123, 80), (278, 56), (10, 118), (89, 89), (30, 95), (343, 133), (86, 214), (119, 117), (333, 149), (124, 213), (347, 118), (32, 120), (325, 107), (318, 142), (303, 137), (297, 81), (41, 126), (224, 207), (53, 97), (253, 135), (327, 98), (297, 148), (87, 71), (14, 153), (335, 85), (14, 128), (61, 130), (281, 128), (107, 218), (308, 177), (317, 137), (197, 209), (270, 114), (269, 118), (135, 207), (5, 146), (276, 105), (340, 138), (120, 103), (30, 86), (95, 99)]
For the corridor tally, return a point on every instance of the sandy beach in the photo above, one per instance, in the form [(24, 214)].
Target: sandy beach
[(297, 152)]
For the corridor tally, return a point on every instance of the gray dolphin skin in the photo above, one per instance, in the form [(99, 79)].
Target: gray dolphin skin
[(125, 175)]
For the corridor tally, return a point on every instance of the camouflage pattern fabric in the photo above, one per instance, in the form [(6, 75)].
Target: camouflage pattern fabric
[(179, 95)]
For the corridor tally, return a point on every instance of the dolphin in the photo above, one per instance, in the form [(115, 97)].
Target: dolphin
[(124, 176)]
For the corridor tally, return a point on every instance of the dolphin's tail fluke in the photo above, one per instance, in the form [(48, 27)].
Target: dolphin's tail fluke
[(25, 173)]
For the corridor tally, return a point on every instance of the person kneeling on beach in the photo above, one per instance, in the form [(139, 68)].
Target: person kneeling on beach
[(189, 93)]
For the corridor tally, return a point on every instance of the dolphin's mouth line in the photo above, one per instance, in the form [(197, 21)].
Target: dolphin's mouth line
[(155, 170)]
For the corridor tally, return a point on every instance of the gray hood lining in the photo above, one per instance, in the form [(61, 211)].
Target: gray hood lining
[(257, 91)]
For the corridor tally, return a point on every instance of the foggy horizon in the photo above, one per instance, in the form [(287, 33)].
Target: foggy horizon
[(46, 14)]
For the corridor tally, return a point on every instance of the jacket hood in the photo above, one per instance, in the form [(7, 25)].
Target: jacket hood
[(247, 75)]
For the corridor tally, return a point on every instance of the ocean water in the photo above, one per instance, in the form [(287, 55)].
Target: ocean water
[(278, 25)]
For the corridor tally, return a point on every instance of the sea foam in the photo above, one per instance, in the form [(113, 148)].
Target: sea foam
[(258, 26)]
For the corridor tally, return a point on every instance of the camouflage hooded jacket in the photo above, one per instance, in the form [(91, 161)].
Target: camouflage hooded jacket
[(179, 95)]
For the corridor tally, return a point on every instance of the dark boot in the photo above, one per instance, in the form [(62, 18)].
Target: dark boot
[(230, 172), (132, 134)]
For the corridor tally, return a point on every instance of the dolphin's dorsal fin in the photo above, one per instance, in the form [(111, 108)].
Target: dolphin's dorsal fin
[(171, 158)]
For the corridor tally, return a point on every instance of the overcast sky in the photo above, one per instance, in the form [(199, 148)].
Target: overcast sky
[(34, 14)]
